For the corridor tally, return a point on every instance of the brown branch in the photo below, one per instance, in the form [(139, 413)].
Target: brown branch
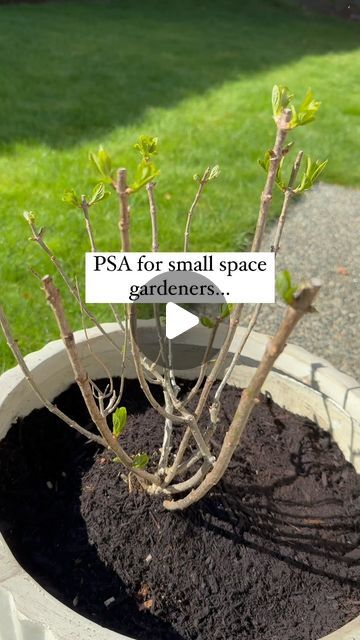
[(153, 216), (37, 236), (220, 360), (85, 208), (140, 373), (289, 193), (204, 364), (124, 214), (266, 196), (192, 482), (301, 305), (190, 215), (54, 299), (29, 377), (254, 317)]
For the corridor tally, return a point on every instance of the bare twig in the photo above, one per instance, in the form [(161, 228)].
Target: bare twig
[(255, 315), (124, 215), (186, 418), (191, 211), (29, 377), (37, 236), (234, 320), (220, 360), (86, 210), (153, 215), (89, 230), (204, 364), (266, 196), (192, 482), (115, 399), (289, 193), (140, 373), (301, 305), (167, 437), (54, 299)]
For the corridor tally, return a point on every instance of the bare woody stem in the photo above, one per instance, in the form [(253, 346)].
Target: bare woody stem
[(220, 360), (254, 317), (167, 437), (124, 226), (30, 378), (266, 196), (86, 210), (186, 418), (289, 193), (89, 230), (301, 305), (37, 236), (204, 364), (54, 299), (153, 216), (114, 399), (176, 419), (190, 215), (124, 217), (155, 247), (175, 468)]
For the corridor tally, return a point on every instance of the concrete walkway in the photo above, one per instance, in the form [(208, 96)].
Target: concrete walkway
[(322, 238)]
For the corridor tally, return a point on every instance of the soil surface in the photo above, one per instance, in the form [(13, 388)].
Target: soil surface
[(273, 553)]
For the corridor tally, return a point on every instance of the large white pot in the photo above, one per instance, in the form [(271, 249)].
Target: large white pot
[(301, 382)]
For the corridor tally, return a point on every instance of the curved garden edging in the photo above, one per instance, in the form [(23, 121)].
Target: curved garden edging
[(301, 382)]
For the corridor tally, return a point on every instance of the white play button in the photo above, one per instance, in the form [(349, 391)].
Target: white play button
[(178, 320)]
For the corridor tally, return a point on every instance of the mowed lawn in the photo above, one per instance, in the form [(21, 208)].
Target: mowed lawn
[(196, 73)]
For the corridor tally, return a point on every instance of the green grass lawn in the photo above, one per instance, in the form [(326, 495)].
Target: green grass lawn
[(196, 73)]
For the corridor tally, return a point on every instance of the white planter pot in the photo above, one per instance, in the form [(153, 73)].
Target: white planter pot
[(301, 382)]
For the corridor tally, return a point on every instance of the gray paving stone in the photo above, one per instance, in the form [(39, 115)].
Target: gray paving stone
[(322, 238)]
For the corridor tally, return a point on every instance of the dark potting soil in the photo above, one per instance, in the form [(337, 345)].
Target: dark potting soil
[(273, 553)]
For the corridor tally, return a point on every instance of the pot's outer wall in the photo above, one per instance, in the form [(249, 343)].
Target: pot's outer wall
[(300, 382)]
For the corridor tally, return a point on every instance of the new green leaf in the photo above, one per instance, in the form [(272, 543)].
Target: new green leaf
[(140, 461), (102, 162), (313, 171), (71, 198), (225, 310), (145, 172), (285, 287), (119, 418), (306, 112), (147, 146), (214, 173), (207, 322), (281, 99), (98, 194), (29, 217)]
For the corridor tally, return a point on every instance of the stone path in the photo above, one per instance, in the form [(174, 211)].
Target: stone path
[(322, 238)]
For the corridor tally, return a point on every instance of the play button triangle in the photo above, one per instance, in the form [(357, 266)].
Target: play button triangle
[(178, 320)]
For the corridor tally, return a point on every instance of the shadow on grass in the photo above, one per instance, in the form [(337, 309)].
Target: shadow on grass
[(74, 71)]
